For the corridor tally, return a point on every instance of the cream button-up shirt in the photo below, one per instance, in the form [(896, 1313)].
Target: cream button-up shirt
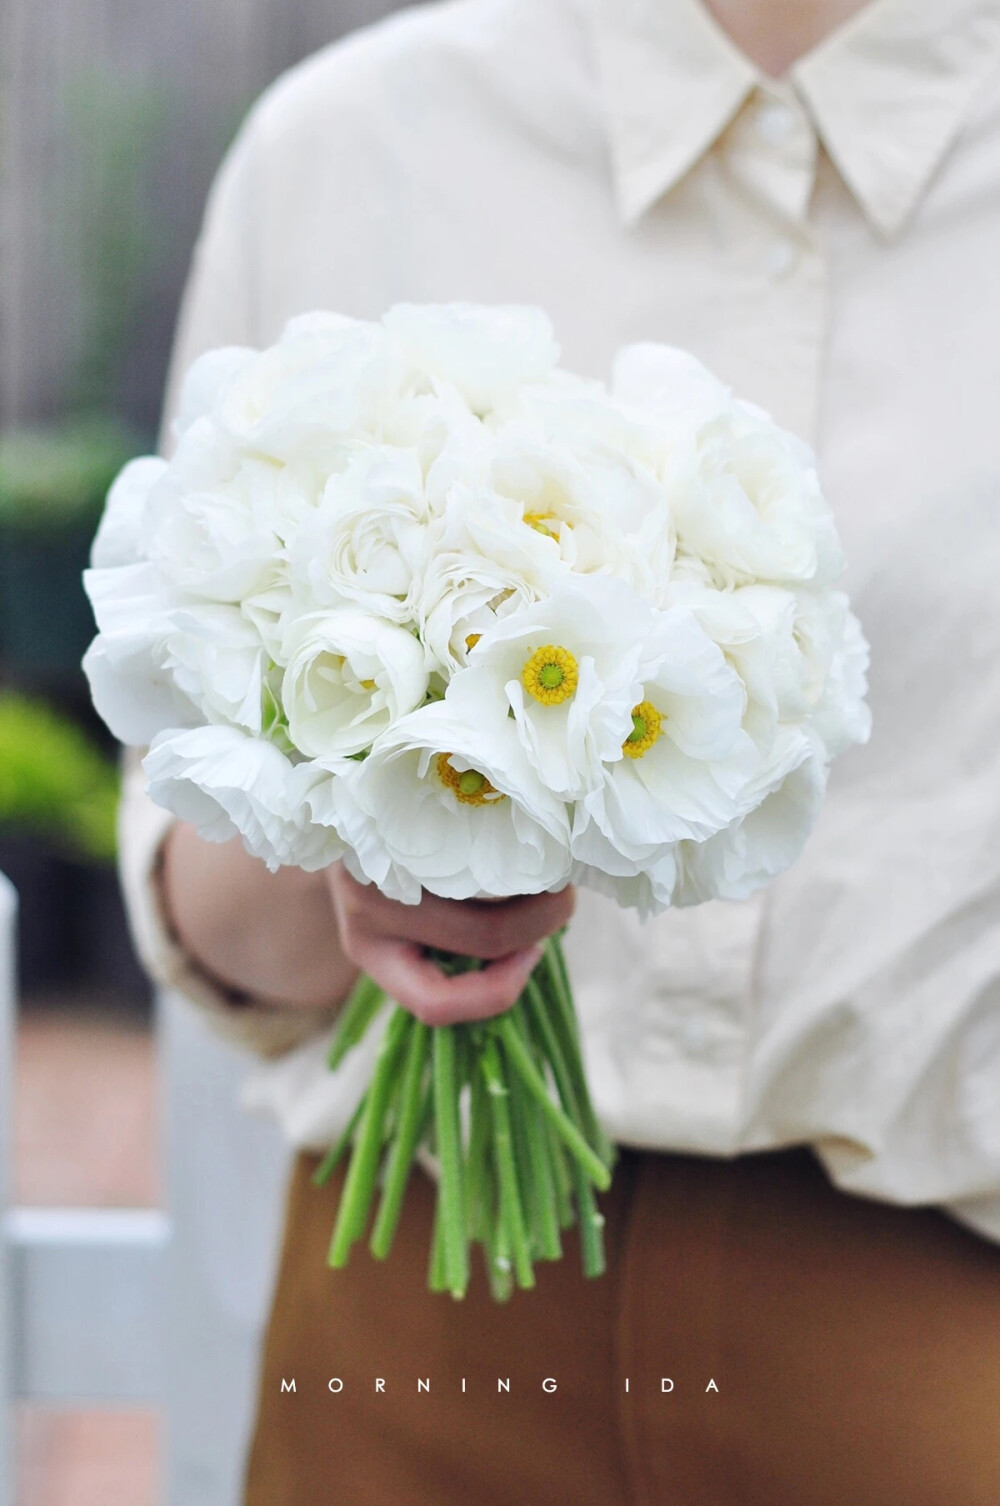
[(830, 245)]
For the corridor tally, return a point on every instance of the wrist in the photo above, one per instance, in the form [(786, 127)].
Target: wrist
[(259, 938)]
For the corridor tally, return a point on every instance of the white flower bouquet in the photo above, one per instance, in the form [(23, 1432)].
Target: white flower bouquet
[(410, 596)]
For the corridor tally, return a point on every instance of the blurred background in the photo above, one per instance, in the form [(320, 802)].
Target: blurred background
[(114, 115)]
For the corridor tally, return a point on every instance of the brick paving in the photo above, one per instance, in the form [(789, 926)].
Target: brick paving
[(87, 1458), (86, 1135)]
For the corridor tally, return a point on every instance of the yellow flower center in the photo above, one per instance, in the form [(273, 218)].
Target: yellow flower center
[(646, 723), (367, 684), (471, 640), (468, 786), (540, 521), (550, 675)]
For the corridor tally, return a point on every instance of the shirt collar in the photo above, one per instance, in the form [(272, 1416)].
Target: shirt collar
[(888, 92)]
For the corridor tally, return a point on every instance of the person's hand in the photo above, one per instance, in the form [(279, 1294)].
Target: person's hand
[(387, 940)]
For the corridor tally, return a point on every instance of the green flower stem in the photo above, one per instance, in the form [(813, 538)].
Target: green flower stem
[(559, 953), (330, 1161), (569, 1075), (451, 1190), (591, 1226), (436, 1272), (497, 1247), (531, 1144), (520, 1112), (405, 1141), (511, 1215), (360, 1184), (567, 1032), (554, 1149), (520, 1059), (514, 1156), (561, 1180), (363, 1004), (478, 1210), (540, 1015)]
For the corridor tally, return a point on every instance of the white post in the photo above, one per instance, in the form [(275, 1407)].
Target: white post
[(8, 922), (138, 1305), (226, 1175)]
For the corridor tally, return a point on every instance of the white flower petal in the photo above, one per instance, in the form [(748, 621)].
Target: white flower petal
[(413, 831), (226, 783), (484, 352), (350, 677), (119, 539)]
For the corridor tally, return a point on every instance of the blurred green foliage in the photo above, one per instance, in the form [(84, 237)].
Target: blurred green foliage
[(58, 476), (111, 223), (53, 482), (54, 783)]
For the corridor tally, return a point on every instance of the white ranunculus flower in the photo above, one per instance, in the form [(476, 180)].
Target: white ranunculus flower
[(781, 681), (806, 665), (483, 563), (668, 384), (580, 416), (592, 508), (747, 500), (840, 716), (483, 352), (132, 688), (569, 669), (349, 677), (578, 479), (682, 770), (448, 803), (205, 382), (408, 592), (648, 890), (430, 421), (120, 536), (217, 659), (368, 539), (314, 395), (226, 783), (269, 609), (781, 806), (719, 613), (224, 540)]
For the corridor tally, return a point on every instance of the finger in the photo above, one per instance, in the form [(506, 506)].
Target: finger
[(418, 985), (475, 928)]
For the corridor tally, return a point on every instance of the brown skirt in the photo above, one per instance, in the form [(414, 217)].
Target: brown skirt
[(760, 1339)]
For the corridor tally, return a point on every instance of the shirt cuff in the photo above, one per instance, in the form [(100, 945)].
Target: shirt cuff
[(266, 1029)]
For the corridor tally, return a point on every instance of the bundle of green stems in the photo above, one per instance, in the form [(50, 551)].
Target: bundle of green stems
[(502, 1106)]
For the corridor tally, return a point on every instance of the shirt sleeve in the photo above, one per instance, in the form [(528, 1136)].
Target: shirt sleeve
[(266, 1029), (219, 308)]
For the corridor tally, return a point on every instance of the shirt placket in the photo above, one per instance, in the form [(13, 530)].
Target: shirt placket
[(769, 154), (701, 1020)]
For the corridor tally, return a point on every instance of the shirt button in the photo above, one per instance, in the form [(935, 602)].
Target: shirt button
[(780, 257), (775, 122)]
